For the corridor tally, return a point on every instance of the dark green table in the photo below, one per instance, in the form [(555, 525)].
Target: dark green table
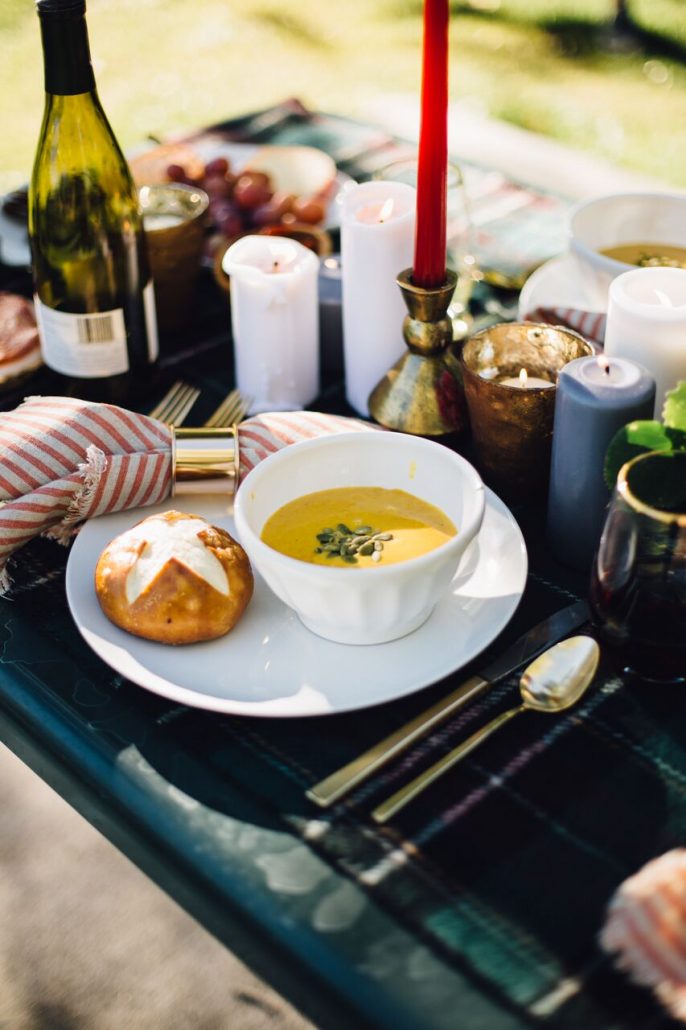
[(479, 908)]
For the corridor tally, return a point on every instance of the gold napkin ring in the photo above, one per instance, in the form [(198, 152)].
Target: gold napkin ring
[(204, 460)]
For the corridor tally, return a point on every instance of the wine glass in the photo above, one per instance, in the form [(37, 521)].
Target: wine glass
[(638, 584), (459, 243)]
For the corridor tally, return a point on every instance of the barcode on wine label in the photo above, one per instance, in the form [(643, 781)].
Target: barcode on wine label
[(95, 329), (87, 346)]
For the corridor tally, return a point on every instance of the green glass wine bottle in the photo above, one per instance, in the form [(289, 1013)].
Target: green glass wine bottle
[(93, 290)]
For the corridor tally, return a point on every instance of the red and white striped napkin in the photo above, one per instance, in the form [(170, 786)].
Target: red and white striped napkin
[(645, 929), (64, 460), (590, 324)]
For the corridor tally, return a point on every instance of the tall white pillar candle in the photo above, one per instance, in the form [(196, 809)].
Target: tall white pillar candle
[(646, 322), (275, 321), (377, 241)]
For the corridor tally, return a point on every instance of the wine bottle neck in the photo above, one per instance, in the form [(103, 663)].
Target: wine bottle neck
[(66, 53)]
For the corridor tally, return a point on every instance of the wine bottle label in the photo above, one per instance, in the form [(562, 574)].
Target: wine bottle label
[(86, 346), (151, 320)]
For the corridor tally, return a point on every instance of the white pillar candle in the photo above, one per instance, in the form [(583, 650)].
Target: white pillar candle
[(377, 240), (275, 321), (646, 322)]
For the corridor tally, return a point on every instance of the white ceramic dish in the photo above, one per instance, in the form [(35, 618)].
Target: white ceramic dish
[(14, 242), (295, 169), (616, 219), (556, 284), (372, 605), (270, 665)]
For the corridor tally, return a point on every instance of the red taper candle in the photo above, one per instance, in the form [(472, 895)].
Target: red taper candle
[(430, 242)]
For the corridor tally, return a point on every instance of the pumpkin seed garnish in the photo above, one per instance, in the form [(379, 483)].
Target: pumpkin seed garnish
[(346, 543)]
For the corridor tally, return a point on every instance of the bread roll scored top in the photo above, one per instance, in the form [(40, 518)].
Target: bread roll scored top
[(174, 578)]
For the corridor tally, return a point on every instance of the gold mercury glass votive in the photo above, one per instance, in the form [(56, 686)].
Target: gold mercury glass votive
[(510, 410), (173, 219)]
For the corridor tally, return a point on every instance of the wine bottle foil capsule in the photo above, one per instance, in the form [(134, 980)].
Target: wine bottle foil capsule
[(205, 461)]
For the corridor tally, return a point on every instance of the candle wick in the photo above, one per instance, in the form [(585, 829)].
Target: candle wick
[(606, 368)]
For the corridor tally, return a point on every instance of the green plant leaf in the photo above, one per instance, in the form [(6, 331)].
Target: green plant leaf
[(674, 411), (677, 437), (631, 440)]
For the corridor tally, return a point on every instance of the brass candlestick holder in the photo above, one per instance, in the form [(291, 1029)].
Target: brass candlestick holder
[(422, 393)]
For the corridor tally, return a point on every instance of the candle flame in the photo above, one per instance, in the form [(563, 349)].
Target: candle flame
[(387, 210), (523, 376), (604, 364), (331, 262)]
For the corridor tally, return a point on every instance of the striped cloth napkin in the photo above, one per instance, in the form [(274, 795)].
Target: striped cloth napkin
[(645, 929), (64, 460), (590, 324)]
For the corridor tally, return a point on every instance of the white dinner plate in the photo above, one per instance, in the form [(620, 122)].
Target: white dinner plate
[(270, 665), (556, 284), (14, 242)]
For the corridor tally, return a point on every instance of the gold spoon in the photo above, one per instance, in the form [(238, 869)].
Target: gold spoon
[(553, 682)]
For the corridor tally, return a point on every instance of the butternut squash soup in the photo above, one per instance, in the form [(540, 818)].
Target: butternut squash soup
[(648, 255), (363, 526)]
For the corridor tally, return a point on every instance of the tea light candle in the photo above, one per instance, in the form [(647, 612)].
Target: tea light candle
[(646, 322), (274, 319), (155, 221), (526, 382), (377, 237), (512, 425), (596, 396)]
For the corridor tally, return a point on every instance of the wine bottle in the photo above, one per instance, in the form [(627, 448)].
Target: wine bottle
[(94, 297)]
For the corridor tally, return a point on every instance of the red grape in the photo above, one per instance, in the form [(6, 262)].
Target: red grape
[(227, 217), (274, 210), (217, 186), (217, 166), (252, 189), (177, 173)]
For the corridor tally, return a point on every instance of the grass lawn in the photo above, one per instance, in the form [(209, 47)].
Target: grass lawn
[(545, 65)]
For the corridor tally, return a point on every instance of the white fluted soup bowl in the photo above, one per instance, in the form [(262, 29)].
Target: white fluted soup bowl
[(361, 605), (616, 219)]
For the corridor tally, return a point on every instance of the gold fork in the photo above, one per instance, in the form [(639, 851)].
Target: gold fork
[(176, 403), (232, 409)]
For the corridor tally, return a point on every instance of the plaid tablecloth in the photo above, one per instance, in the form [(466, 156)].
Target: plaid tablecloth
[(499, 876)]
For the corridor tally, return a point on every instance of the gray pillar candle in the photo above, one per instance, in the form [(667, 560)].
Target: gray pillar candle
[(595, 398), (330, 318)]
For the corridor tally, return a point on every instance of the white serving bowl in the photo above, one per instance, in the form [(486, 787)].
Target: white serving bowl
[(361, 605), (615, 219)]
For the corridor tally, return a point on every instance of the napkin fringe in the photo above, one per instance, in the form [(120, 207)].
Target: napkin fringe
[(91, 470), (80, 460)]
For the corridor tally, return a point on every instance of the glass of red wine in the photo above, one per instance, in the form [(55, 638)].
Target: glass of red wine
[(638, 583)]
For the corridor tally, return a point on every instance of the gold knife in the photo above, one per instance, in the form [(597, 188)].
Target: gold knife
[(525, 649)]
